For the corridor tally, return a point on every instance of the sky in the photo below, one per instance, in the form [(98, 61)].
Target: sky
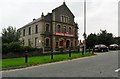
[(101, 14)]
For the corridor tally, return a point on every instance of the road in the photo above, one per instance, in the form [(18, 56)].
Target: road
[(100, 65)]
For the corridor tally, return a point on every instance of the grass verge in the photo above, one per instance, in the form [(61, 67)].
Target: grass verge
[(20, 62)]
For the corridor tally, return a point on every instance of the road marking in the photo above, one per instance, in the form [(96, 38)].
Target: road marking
[(117, 70), (49, 63)]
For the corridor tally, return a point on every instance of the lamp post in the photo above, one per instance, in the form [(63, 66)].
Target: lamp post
[(84, 35)]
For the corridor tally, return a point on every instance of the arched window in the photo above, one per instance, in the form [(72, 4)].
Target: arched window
[(64, 29), (58, 28), (47, 42), (70, 30)]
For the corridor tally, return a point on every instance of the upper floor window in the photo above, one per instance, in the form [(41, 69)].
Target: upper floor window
[(58, 28), (70, 30), (64, 29), (23, 42), (36, 28), (62, 18), (23, 32), (29, 30), (65, 19), (47, 28)]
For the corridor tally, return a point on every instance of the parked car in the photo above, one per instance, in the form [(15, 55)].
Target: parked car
[(101, 48), (113, 47)]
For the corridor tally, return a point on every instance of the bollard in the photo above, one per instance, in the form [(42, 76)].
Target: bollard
[(93, 51), (78, 48), (26, 56), (69, 52), (83, 50), (51, 54), (89, 49)]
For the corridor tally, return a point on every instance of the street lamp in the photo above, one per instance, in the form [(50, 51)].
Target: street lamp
[(84, 35)]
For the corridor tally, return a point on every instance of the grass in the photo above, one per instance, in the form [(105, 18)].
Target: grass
[(17, 62)]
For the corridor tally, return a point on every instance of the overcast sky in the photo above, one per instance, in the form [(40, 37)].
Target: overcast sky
[(101, 14)]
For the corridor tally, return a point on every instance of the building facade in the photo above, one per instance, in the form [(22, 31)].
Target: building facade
[(52, 31)]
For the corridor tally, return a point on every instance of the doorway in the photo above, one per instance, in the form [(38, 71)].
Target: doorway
[(67, 44)]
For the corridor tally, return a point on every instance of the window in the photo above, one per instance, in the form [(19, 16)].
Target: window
[(23, 32), (47, 28), (64, 29), (47, 41), (62, 18), (36, 41), (29, 42), (70, 30), (67, 20), (71, 44), (58, 28), (29, 30), (75, 43), (61, 43), (36, 29), (56, 44), (23, 42), (19, 32)]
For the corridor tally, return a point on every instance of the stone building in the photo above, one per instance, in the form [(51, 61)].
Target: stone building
[(52, 31)]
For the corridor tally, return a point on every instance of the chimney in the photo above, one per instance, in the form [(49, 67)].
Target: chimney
[(34, 19)]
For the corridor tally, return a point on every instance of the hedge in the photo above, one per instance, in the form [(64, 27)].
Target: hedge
[(16, 47)]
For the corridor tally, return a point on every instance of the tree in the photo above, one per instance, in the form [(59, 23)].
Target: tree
[(91, 40), (105, 38), (101, 38), (10, 34), (117, 40)]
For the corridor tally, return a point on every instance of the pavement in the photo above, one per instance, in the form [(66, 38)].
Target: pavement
[(101, 65)]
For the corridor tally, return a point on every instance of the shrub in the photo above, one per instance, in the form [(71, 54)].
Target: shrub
[(5, 48), (16, 47), (11, 47)]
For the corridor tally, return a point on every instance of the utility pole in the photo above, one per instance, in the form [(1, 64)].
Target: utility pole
[(84, 26)]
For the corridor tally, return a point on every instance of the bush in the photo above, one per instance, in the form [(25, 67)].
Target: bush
[(5, 48), (16, 47), (11, 47)]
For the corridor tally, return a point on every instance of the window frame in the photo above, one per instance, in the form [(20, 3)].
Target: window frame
[(24, 32), (47, 44), (47, 29), (29, 30), (58, 28), (36, 28)]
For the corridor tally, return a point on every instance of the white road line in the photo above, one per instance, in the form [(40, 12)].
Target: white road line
[(117, 70)]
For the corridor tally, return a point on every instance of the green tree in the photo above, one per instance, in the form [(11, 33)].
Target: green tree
[(91, 40), (101, 38), (10, 34), (105, 38), (117, 40)]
